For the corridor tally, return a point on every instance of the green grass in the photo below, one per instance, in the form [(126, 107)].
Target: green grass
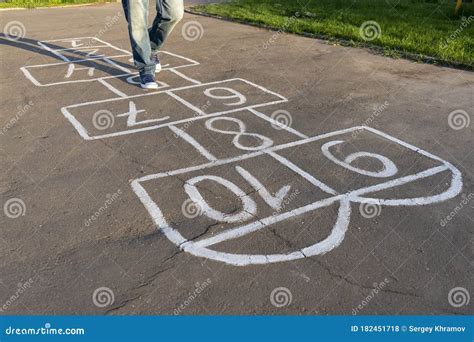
[(43, 3), (407, 26)]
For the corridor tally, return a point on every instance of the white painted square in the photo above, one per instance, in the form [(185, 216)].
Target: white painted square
[(72, 43), (228, 96), (178, 111), (92, 69)]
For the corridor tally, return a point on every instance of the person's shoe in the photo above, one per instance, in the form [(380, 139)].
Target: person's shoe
[(147, 81), (155, 59)]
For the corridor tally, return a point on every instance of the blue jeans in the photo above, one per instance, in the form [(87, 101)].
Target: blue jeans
[(144, 40)]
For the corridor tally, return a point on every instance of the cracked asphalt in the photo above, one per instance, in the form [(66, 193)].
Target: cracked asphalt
[(79, 232)]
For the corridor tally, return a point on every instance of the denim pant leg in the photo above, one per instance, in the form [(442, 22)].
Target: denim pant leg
[(168, 14), (136, 13)]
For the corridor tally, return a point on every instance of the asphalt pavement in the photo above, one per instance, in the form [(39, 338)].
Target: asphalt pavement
[(269, 174)]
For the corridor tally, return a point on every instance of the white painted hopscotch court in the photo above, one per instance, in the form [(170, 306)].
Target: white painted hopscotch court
[(265, 166), (260, 173)]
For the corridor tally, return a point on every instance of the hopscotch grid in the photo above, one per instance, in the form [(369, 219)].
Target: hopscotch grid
[(249, 155), (243, 230), (240, 231), (284, 99), (66, 60), (171, 92), (198, 247)]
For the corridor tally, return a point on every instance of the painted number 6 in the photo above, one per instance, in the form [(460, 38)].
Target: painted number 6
[(389, 168)]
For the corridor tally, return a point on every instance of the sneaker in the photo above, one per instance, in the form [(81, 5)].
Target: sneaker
[(155, 59), (147, 81)]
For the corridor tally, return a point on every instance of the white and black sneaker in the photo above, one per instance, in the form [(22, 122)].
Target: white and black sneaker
[(155, 59), (147, 81)]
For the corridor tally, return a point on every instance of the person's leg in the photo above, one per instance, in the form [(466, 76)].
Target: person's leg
[(168, 14), (136, 13)]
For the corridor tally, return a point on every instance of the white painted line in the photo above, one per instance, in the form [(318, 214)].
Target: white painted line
[(64, 58), (180, 74), (186, 103), (201, 149), (117, 65), (69, 62), (274, 122), (303, 173), (112, 88), (235, 233), (77, 125)]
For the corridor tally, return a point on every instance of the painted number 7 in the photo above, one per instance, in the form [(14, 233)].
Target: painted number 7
[(249, 207)]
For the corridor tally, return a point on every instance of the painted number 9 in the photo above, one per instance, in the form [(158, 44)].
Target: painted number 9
[(240, 99)]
